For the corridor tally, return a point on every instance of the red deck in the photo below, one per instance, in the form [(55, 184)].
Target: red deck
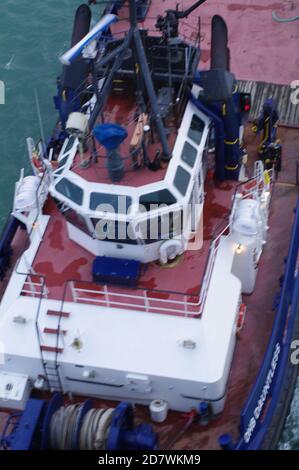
[(121, 109)]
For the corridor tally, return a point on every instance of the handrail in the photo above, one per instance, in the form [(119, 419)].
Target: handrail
[(145, 301)]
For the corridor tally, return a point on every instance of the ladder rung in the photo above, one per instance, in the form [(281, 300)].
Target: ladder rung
[(54, 331), (55, 313), (51, 349)]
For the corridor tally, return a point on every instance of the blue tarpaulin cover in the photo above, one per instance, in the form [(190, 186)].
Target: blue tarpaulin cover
[(110, 135)]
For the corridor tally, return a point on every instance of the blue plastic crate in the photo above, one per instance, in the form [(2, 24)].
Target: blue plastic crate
[(107, 270)]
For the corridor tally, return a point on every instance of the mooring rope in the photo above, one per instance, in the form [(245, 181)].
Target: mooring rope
[(93, 433)]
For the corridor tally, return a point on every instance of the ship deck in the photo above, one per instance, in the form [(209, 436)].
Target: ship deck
[(60, 259), (258, 44), (179, 431)]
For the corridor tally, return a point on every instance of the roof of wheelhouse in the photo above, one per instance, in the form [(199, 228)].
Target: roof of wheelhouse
[(83, 189)]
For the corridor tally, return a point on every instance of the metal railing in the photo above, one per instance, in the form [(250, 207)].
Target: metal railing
[(33, 287), (146, 300), (210, 266), (251, 188)]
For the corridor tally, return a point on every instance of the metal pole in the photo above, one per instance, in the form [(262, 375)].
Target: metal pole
[(146, 74), (39, 116), (133, 13), (104, 93)]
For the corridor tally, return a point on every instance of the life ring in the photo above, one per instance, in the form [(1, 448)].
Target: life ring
[(169, 250)]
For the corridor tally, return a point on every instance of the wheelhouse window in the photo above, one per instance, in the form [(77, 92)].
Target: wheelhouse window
[(70, 190), (189, 154), (161, 227), (76, 219), (155, 198), (63, 161), (115, 203), (181, 180), (70, 144), (196, 129)]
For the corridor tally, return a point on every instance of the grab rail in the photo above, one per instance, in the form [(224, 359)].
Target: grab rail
[(147, 300)]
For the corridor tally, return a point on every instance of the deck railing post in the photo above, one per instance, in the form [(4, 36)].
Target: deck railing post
[(185, 306), (146, 301), (31, 286), (107, 299), (73, 290)]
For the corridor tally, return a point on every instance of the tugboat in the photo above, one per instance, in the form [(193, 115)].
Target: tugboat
[(135, 264)]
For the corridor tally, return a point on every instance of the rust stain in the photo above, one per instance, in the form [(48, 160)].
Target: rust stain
[(55, 236), (58, 278), (193, 292), (242, 7), (205, 55), (149, 283)]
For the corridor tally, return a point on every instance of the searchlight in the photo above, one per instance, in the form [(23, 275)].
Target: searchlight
[(68, 57)]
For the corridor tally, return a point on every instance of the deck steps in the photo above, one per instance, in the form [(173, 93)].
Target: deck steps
[(56, 313), (54, 349), (54, 331)]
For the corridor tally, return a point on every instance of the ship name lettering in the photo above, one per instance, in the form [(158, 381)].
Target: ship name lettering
[(260, 404)]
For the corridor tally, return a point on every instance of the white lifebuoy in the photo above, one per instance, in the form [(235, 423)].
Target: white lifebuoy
[(170, 249)]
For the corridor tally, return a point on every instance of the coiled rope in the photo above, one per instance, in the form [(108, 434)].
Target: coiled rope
[(93, 433)]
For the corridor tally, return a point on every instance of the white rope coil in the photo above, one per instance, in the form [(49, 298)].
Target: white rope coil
[(94, 428)]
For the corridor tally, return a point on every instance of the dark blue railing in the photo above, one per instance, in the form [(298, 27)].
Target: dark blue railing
[(259, 409)]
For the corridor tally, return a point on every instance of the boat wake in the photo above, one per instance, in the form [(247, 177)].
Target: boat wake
[(10, 63)]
